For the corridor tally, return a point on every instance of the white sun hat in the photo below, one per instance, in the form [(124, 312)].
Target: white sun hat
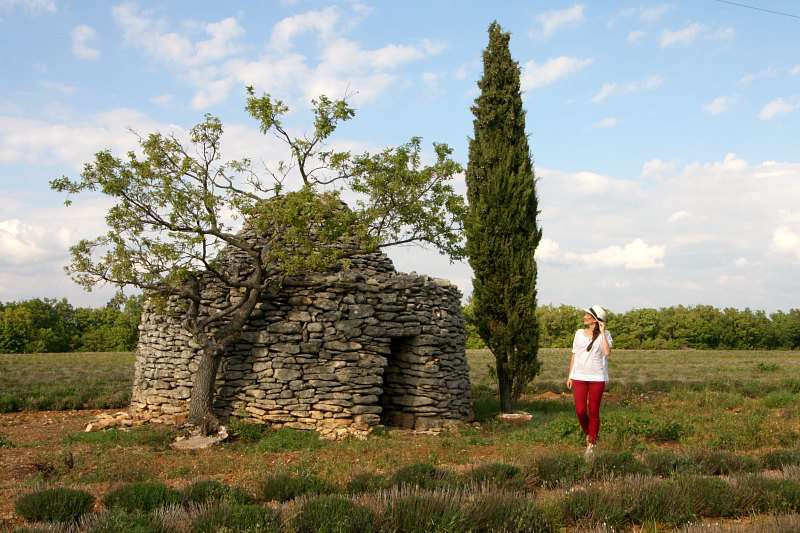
[(598, 312)]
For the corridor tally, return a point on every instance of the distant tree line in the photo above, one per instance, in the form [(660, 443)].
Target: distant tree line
[(49, 325), (699, 327)]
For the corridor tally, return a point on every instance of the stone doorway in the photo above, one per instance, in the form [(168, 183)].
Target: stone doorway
[(395, 384)]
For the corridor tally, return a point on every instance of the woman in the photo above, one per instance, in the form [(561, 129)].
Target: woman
[(588, 371)]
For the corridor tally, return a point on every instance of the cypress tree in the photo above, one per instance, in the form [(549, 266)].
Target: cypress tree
[(501, 224)]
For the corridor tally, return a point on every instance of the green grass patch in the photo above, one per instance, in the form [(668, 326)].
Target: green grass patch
[(332, 514), (209, 490), (422, 475), (289, 440), (498, 475), (146, 497), (157, 437), (366, 482), (609, 465), (117, 521), (240, 518), (437, 511), (54, 505), (491, 512), (89, 380), (283, 487), (562, 469)]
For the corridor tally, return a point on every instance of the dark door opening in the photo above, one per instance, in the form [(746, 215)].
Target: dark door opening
[(394, 385)]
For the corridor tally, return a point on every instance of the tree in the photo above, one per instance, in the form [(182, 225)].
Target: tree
[(501, 224), (179, 208)]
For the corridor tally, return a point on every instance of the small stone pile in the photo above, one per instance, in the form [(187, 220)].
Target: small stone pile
[(116, 420), (338, 352)]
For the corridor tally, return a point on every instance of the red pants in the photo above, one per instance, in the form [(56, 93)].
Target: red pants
[(587, 396)]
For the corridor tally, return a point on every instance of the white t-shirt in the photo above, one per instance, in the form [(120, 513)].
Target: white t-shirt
[(591, 365)]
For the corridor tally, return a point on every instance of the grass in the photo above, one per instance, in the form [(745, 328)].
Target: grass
[(64, 381), (667, 415)]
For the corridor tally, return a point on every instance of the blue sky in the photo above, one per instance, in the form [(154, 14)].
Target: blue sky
[(664, 134)]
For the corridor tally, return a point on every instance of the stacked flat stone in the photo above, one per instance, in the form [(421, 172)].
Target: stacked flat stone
[(339, 352)]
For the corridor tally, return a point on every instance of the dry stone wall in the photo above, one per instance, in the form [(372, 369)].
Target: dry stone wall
[(340, 353)]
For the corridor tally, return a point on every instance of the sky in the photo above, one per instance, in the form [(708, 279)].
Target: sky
[(664, 135)]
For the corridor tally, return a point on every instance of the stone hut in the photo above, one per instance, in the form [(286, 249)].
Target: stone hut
[(338, 352)]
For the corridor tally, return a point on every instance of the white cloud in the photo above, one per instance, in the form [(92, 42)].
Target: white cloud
[(73, 141), (215, 66), (779, 106), (678, 216), (636, 36), (646, 13), (786, 241), (21, 243), (162, 100), (431, 80), (607, 122), (635, 255), (552, 21), (741, 262), (151, 35), (548, 250), (535, 76), (656, 168), (587, 183), (722, 34), (769, 72), (30, 6), (322, 23), (719, 105), (612, 89), (728, 279), (795, 70), (59, 87), (82, 37), (684, 35)]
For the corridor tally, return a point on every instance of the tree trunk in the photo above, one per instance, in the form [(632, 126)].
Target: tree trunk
[(201, 403), (504, 387)]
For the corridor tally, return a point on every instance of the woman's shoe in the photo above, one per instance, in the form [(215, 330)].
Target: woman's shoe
[(589, 450)]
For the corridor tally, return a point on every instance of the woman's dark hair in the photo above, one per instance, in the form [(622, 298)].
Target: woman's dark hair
[(595, 334)]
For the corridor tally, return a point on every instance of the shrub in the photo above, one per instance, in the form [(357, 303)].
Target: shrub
[(247, 431), (665, 463), (332, 514), (212, 490), (145, 496), (508, 512), (561, 469), (497, 475), (423, 513), (777, 459), (722, 463), (118, 520), (777, 399), (593, 506), (366, 482), (666, 432), (283, 487), (661, 501), (54, 505), (422, 475), (288, 440), (241, 518), (756, 494), (10, 403), (709, 496), (615, 464), (5, 442)]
